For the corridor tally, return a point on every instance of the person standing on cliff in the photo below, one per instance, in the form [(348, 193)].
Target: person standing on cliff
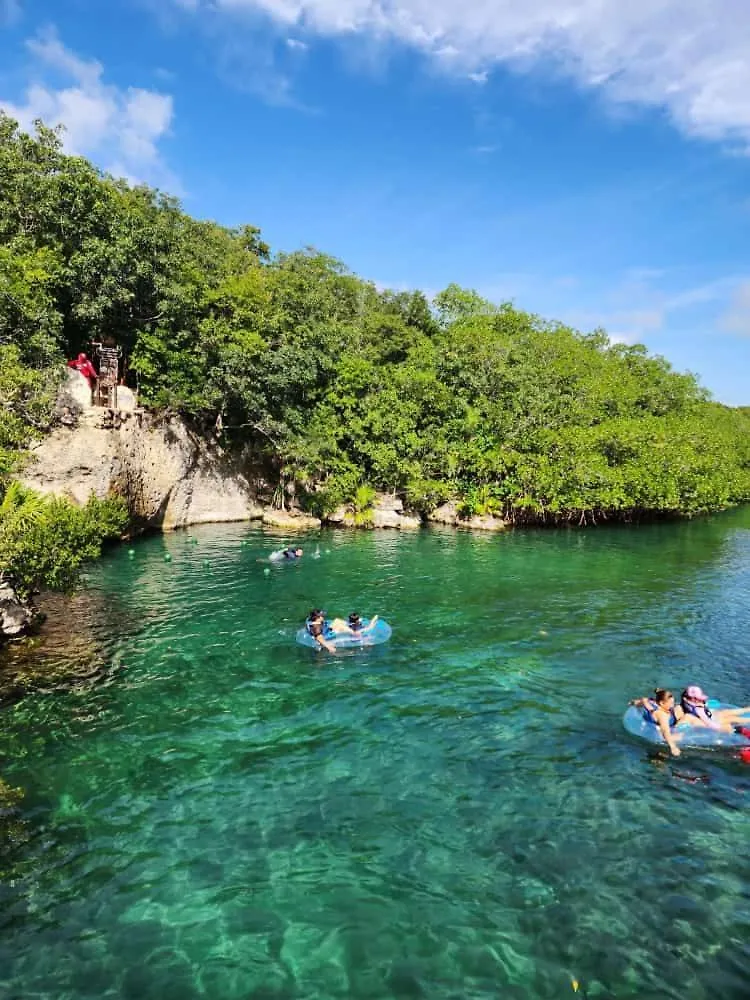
[(83, 365)]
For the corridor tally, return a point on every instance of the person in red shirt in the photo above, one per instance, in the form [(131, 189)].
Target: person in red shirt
[(84, 366)]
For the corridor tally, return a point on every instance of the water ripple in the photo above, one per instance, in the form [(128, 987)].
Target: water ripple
[(457, 814)]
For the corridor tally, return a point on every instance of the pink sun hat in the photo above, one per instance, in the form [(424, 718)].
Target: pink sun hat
[(696, 693)]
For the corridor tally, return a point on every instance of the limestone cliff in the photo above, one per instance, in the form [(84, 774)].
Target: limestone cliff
[(170, 476)]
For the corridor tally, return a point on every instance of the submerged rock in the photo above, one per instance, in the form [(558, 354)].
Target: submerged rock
[(16, 617)]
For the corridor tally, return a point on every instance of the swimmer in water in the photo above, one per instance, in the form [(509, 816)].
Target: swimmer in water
[(353, 625), (662, 712), (317, 627), (694, 703)]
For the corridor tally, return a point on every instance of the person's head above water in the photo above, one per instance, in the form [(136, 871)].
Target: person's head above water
[(662, 696), (694, 695), (355, 621), (315, 614), (298, 552)]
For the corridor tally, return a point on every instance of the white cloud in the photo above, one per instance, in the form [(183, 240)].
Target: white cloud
[(689, 57), (737, 317), (118, 128), (296, 45)]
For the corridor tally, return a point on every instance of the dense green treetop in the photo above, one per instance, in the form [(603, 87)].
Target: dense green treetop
[(334, 382)]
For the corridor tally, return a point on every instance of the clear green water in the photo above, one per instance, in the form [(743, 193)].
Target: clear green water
[(458, 814)]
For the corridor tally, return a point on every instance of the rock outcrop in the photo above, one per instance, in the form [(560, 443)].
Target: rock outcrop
[(170, 476), (289, 520), (387, 512), (447, 513), (15, 616)]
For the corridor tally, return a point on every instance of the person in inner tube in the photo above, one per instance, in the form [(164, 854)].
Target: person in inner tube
[(661, 711), (353, 625), (694, 703), (292, 553), (317, 627)]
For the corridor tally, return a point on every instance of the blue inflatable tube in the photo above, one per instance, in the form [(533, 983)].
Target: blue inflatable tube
[(687, 735), (380, 632)]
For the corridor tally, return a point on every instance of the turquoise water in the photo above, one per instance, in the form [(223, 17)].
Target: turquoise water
[(456, 814)]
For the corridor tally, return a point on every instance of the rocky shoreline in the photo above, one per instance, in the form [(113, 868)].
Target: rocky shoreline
[(173, 477)]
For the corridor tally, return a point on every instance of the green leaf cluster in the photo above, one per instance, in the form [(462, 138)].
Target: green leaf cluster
[(44, 541)]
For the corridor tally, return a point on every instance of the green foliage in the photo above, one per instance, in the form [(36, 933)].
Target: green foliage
[(362, 501), (331, 382), (44, 541)]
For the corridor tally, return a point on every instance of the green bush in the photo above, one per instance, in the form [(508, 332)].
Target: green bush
[(44, 541)]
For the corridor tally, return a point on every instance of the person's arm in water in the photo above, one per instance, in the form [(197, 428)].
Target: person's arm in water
[(325, 644)]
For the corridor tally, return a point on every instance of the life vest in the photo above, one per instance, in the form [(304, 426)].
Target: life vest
[(701, 712), (317, 628)]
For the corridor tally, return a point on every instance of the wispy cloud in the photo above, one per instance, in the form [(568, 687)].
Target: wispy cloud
[(119, 128), (737, 317), (722, 305), (689, 57)]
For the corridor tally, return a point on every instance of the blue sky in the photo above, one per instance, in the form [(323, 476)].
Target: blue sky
[(588, 159)]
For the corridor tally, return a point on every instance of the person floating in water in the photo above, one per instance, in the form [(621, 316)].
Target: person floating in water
[(693, 710), (662, 712), (285, 555), (353, 625), (319, 629), (694, 703)]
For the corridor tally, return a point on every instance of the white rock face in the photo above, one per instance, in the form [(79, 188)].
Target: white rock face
[(170, 476), (390, 518), (447, 513), (290, 520)]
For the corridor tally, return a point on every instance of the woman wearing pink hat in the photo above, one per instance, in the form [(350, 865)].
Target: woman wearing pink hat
[(694, 702)]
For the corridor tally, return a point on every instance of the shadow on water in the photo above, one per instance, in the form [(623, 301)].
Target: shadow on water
[(457, 813)]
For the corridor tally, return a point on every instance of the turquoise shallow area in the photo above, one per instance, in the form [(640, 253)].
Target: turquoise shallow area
[(457, 814)]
